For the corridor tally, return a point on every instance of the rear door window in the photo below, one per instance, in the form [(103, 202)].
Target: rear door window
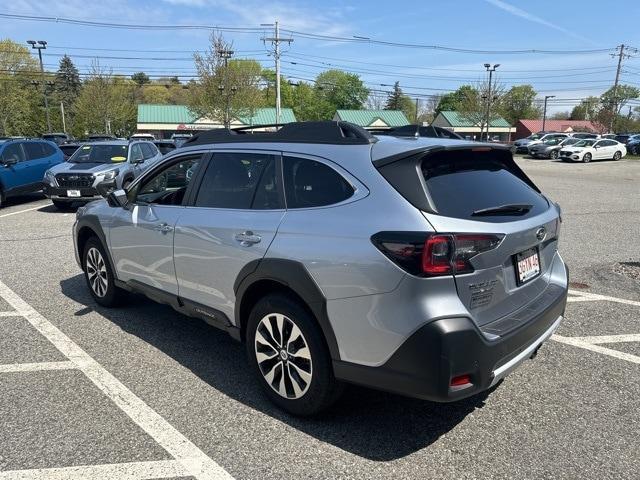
[(34, 150), (240, 181), (474, 185), (309, 183)]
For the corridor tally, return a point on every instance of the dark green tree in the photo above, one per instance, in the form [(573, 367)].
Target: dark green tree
[(399, 101), (140, 78), (67, 88)]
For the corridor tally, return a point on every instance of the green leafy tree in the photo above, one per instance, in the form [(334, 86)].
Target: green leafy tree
[(452, 101), (613, 101), (473, 103), (587, 109), (399, 101), (226, 89), (519, 103), (156, 94), (141, 78), (21, 106), (106, 105), (336, 89)]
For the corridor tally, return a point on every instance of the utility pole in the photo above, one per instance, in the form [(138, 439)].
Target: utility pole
[(275, 41), (226, 55), (544, 112), (614, 106), (64, 124), (42, 45), (489, 69), (417, 105)]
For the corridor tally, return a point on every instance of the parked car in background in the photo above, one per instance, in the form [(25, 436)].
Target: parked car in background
[(588, 149), (633, 145), (69, 149), (98, 137), (23, 163), (522, 145), (551, 147), (323, 248), (165, 146), (180, 138), (585, 135), (142, 136), (77, 179), (609, 136), (57, 138), (624, 137)]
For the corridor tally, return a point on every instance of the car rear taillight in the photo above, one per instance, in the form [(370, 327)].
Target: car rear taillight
[(429, 255)]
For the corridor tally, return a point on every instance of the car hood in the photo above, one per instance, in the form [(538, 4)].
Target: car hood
[(85, 167), (542, 146), (524, 142)]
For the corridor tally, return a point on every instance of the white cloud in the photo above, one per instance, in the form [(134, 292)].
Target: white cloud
[(518, 12)]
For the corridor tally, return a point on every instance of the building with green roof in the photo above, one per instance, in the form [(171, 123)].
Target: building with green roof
[(164, 120), (466, 127), (373, 118)]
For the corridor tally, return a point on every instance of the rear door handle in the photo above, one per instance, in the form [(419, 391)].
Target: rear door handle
[(163, 228), (247, 238)]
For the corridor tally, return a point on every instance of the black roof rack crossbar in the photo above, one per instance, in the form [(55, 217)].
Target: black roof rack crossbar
[(417, 131), (329, 132)]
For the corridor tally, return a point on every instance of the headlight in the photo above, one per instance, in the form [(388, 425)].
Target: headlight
[(111, 174), (50, 178)]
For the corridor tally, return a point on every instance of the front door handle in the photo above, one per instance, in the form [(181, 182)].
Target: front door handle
[(163, 228), (247, 238)]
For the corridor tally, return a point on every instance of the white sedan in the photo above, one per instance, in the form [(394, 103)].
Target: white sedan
[(593, 149)]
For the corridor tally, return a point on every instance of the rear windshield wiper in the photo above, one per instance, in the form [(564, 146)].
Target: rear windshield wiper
[(512, 209)]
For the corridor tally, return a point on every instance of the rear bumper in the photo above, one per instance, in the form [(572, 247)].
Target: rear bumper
[(443, 349), (87, 194)]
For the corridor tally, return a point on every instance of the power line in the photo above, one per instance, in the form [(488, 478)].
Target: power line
[(307, 35)]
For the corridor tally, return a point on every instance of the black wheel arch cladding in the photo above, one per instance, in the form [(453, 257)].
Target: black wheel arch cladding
[(294, 276)]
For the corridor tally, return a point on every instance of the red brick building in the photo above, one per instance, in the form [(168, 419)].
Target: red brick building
[(524, 128)]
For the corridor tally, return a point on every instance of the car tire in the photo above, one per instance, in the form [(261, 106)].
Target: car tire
[(297, 377), (554, 155), (586, 158), (61, 205), (99, 275), (617, 156), (2, 198)]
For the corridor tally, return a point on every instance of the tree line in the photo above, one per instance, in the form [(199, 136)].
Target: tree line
[(228, 88)]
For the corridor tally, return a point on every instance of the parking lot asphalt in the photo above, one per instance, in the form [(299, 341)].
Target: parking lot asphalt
[(143, 392)]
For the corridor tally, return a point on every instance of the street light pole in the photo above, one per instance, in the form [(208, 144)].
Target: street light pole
[(42, 45), (544, 112), (226, 55), (489, 69)]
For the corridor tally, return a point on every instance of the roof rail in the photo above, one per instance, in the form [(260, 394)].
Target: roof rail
[(417, 131), (330, 132)]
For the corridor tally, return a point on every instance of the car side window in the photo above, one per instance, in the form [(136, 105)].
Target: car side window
[(136, 153), (600, 144), (309, 183), (47, 149), (240, 181), (13, 152), (148, 151), (168, 185), (34, 150)]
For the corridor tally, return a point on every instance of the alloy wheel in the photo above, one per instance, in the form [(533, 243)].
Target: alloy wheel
[(554, 155), (283, 356), (586, 158), (97, 272)]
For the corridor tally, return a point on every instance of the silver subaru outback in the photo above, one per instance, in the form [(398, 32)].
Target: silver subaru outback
[(118, 161), (427, 267)]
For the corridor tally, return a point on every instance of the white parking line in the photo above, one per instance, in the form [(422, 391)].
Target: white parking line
[(21, 211), (114, 471), (633, 337), (9, 314), (195, 462), (576, 342), (34, 367), (594, 297)]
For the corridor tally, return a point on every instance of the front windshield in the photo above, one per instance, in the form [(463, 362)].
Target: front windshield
[(100, 154), (552, 141), (584, 143), (535, 136)]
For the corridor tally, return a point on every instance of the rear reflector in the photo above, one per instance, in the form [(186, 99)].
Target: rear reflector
[(460, 381)]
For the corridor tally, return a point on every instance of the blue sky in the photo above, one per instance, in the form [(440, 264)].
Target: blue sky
[(467, 24)]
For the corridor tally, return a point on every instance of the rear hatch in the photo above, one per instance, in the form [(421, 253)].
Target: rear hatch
[(501, 231)]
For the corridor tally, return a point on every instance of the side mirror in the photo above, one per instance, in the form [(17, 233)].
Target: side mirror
[(118, 198), (9, 162), (137, 160)]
